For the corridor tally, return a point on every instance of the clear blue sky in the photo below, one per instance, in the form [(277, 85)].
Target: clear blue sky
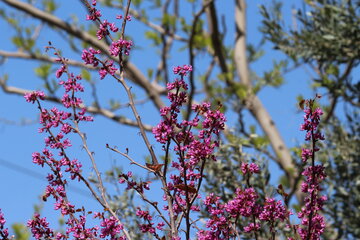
[(21, 189)]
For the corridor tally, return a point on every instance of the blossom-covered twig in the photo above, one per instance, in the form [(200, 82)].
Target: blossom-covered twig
[(313, 224), (4, 232)]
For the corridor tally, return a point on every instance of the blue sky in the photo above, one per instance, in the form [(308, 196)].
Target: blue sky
[(19, 137)]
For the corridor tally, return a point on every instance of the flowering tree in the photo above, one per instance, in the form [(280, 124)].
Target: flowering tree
[(189, 133)]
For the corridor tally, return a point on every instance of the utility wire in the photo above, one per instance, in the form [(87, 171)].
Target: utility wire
[(37, 175)]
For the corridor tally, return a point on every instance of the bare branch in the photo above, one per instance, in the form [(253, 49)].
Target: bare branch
[(215, 37), (94, 110), (132, 71), (192, 55), (43, 58), (253, 103)]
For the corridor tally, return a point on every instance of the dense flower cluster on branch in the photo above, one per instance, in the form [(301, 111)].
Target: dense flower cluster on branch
[(4, 232), (64, 123), (313, 224)]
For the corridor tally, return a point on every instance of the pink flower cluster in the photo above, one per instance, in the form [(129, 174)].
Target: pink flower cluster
[(192, 148), (111, 227), (61, 121), (250, 168), (148, 226), (128, 17), (118, 46), (313, 224), (273, 210), (34, 96), (108, 66), (79, 230), (182, 70), (104, 29), (95, 14), (139, 187), (89, 56), (40, 228), (4, 232), (223, 217), (310, 125)]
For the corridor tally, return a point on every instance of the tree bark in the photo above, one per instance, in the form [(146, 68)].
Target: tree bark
[(254, 104)]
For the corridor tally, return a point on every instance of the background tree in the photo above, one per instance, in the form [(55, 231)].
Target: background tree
[(323, 39)]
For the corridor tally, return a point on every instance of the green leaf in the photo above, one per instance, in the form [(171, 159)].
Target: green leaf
[(49, 5), (43, 70), (274, 77), (136, 2), (252, 129), (259, 142), (332, 70), (169, 20), (17, 41), (12, 21), (20, 231), (153, 36), (201, 41), (86, 75), (29, 44), (253, 53), (241, 91), (150, 73)]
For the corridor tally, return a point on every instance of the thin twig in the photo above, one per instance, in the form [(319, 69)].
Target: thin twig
[(94, 110)]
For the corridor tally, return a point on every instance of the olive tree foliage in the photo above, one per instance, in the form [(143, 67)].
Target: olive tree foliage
[(324, 38), (342, 162)]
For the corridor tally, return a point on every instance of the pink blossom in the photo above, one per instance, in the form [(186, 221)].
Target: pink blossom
[(143, 214), (128, 17), (182, 71), (103, 29), (273, 210), (40, 227), (147, 228), (60, 71), (72, 84), (79, 230), (34, 96), (107, 68), (312, 223), (118, 46), (95, 14), (249, 168), (38, 159), (4, 232), (89, 56), (160, 226), (110, 227), (252, 227)]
